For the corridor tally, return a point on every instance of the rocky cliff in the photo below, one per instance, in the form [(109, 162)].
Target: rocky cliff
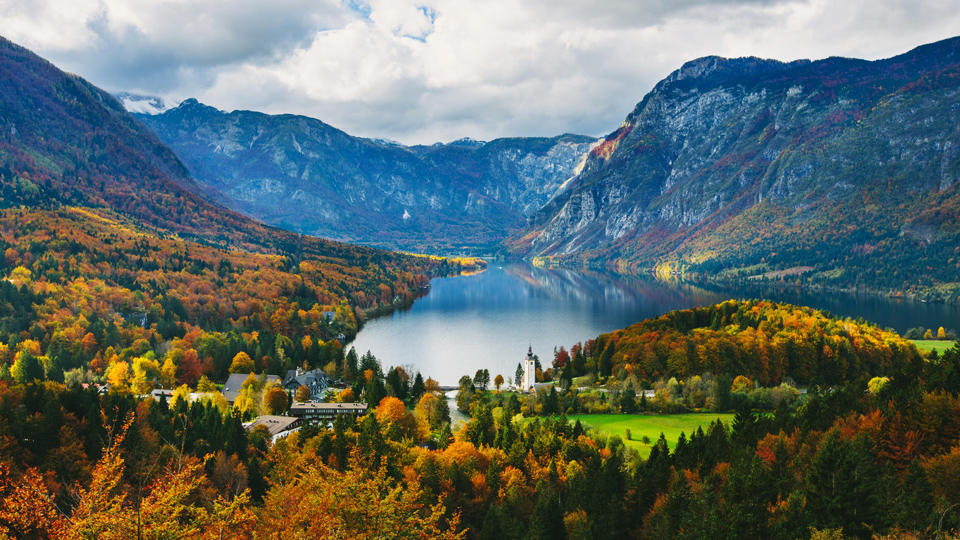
[(303, 175), (751, 166)]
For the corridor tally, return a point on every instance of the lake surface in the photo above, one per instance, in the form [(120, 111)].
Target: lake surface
[(488, 320)]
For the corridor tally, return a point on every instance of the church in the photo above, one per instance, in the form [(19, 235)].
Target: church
[(529, 381)]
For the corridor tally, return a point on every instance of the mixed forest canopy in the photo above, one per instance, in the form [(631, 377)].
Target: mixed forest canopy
[(758, 339), (849, 460)]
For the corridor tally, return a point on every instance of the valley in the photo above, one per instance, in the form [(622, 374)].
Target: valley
[(739, 289)]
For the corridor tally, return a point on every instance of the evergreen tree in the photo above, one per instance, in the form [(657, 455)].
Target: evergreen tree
[(375, 391), (551, 402), (27, 368), (566, 377), (352, 365), (628, 400), (55, 371), (546, 522), (395, 385), (606, 360), (416, 392), (843, 485)]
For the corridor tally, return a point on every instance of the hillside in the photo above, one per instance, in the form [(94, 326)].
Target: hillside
[(108, 254), (739, 167), (761, 340), (301, 174)]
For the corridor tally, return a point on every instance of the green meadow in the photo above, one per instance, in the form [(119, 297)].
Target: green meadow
[(933, 345), (671, 425)]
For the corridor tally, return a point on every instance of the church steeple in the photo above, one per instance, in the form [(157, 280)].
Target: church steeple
[(529, 371)]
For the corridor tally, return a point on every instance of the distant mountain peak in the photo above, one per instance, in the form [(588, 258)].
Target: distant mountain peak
[(138, 103), (193, 104), (467, 141)]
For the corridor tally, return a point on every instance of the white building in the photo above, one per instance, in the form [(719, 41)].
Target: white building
[(529, 372)]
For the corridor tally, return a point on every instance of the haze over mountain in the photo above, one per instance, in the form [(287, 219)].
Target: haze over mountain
[(301, 174), (846, 166)]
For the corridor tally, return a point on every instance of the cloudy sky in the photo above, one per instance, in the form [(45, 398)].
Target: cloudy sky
[(423, 71)]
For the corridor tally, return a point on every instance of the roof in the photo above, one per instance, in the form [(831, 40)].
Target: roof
[(232, 387), (276, 424), (315, 379), (329, 408)]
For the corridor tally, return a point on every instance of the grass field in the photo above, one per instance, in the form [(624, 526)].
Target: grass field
[(931, 345), (650, 425)]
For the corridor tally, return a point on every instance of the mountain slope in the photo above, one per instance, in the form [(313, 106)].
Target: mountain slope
[(750, 165), (301, 174), (99, 221)]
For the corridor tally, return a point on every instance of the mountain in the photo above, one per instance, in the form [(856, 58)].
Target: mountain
[(843, 169), (303, 175), (103, 233), (137, 103)]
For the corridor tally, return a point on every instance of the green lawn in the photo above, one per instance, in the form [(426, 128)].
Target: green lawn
[(933, 345), (650, 425)]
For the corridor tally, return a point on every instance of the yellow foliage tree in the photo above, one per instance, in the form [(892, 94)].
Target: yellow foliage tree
[(742, 384), (315, 501), (145, 371), (428, 408), (274, 400), (346, 396), (390, 409), (180, 394), (206, 385), (242, 363), (168, 373), (106, 509), (118, 375)]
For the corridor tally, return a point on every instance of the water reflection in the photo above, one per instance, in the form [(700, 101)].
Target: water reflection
[(489, 319)]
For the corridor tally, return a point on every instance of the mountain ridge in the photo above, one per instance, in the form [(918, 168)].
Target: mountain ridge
[(730, 164), (302, 174)]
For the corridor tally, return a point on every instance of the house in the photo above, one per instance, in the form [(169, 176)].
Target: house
[(231, 388), (162, 394), (326, 411), (316, 380), (277, 425)]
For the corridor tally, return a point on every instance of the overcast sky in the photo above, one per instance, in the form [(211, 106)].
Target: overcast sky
[(424, 71)]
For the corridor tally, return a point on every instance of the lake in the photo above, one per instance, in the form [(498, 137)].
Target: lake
[(488, 320)]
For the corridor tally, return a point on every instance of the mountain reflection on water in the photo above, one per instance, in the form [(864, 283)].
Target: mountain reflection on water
[(488, 320)]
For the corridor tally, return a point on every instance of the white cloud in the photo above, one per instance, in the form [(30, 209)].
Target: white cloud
[(428, 70)]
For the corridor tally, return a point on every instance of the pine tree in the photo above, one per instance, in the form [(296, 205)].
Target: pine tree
[(546, 522), (416, 392), (628, 400), (27, 368)]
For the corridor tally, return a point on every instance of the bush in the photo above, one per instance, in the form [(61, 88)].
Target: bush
[(626, 434)]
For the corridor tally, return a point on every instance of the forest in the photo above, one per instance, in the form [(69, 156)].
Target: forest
[(861, 456)]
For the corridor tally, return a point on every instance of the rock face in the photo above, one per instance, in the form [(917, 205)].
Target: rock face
[(303, 175), (733, 162)]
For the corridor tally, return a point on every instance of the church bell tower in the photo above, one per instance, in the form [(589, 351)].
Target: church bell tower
[(529, 371)]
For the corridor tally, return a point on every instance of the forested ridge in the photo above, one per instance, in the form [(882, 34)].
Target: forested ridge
[(759, 339)]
